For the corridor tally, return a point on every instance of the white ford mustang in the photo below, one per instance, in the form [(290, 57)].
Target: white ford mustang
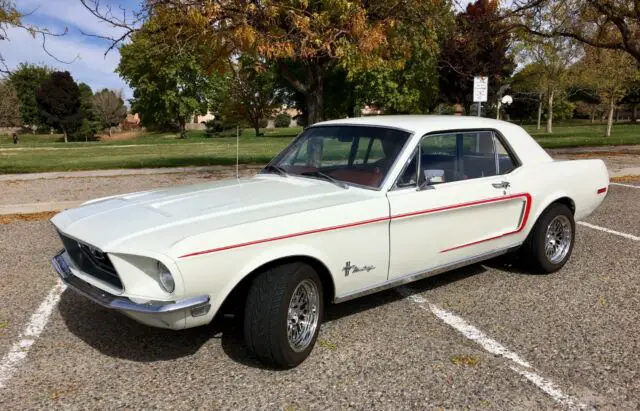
[(349, 208)]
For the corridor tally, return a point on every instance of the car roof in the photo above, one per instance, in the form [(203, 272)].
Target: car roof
[(525, 147), (421, 123)]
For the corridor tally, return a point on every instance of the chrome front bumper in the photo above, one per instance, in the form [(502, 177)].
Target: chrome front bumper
[(105, 299)]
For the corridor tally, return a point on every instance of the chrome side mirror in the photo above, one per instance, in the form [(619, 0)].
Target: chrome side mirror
[(427, 184)]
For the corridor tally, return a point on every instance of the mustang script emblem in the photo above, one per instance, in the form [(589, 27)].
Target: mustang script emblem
[(352, 269)]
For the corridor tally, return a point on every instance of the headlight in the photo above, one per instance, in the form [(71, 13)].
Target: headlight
[(165, 279)]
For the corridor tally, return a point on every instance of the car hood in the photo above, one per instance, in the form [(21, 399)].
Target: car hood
[(159, 218)]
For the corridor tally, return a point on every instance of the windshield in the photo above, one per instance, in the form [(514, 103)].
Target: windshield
[(357, 155)]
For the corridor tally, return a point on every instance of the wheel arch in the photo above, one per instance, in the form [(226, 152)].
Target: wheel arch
[(566, 200), (557, 197), (240, 289)]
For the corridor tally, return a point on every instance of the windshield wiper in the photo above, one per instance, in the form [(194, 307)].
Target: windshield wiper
[(325, 177), (277, 169)]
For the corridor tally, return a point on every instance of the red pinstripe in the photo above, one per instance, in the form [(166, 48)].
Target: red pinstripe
[(282, 237), (523, 223), (376, 220)]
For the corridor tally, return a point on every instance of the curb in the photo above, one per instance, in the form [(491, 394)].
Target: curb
[(32, 208)]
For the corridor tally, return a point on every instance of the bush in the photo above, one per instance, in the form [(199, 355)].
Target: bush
[(563, 110), (221, 124), (213, 126), (263, 123), (84, 131), (282, 120), (300, 121)]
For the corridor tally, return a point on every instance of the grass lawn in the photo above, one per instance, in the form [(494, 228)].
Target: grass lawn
[(38, 153), (584, 134)]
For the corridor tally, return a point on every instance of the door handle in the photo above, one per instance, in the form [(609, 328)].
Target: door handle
[(502, 184)]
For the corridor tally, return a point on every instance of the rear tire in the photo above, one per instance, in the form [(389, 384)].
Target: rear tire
[(283, 313), (550, 242)]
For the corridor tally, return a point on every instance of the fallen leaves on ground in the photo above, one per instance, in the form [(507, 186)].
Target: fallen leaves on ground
[(600, 154), (465, 360), (626, 179), (327, 344), (12, 218)]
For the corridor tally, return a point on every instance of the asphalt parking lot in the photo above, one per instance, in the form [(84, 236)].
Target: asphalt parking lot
[(456, 341)]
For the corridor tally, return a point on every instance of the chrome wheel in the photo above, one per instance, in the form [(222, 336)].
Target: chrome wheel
[(558, 239), (302, 317)]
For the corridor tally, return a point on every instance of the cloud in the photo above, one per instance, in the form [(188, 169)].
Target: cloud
[(89, 65)]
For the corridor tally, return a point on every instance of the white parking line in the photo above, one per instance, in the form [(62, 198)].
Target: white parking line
[(607, 230), (490, 345), (32, 331), (624, 185)]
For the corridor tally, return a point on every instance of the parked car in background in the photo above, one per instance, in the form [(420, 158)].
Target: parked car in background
[(349, 208)]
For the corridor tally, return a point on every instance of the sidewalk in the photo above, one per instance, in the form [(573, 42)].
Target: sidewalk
[(107, 173)]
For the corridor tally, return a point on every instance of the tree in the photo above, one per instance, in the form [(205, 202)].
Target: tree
[(9, 106), (318, 35), (412, 89), (253, 91), (26, 80), (168, 85), (606, 24), (58, 100), (88, 125), (109, 108), (552, 55), (479, 46), (612, 73), (528, 88), (553, 58)]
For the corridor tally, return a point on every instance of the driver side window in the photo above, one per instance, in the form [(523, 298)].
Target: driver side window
[(449, 157)]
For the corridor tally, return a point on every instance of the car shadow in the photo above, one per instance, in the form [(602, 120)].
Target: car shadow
[(510, 263), (115, 335)]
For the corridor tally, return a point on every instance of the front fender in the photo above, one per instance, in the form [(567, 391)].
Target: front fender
[(274, 253), (219, 273)]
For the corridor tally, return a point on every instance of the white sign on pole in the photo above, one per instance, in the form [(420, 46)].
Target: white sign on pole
[(480, 89)]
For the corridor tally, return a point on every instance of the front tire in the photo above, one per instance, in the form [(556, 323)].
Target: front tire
[(283, 313), (550, 243)]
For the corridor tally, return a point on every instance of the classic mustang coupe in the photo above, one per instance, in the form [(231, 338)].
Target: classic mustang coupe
[(349, 208)]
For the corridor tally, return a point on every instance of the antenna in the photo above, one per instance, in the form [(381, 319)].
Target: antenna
[(237, 151)]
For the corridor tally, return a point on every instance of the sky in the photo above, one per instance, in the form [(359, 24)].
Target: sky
[(90, 66), (86, 55)]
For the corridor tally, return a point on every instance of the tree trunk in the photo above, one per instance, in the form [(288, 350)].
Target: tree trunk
[(256, 127), (550, 112), (467, 108), (539, 111), (64, 131), (183, 127), (110, 131), (612, 107), (634, 113), (592, 116), (315, 94)]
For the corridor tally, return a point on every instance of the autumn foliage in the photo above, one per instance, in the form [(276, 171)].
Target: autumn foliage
[(316, 34)]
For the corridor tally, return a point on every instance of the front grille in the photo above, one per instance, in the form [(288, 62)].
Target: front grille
[(91, 261)]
